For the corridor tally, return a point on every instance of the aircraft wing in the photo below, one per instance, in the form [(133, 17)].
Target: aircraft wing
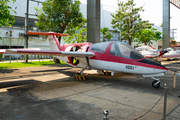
[(51, 53), (2, 51)]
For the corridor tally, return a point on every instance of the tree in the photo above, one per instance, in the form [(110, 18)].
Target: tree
[(76, 35), (106, 33), (128, 21), (103, 31), (146, 36), (6, 19), (59, 15)]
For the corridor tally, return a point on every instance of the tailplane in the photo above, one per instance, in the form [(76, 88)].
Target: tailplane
[(53, 41)]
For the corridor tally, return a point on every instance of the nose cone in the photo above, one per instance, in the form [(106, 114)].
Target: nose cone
[(153, 64)]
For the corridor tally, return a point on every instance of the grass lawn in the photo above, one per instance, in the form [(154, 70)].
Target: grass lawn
[(30, 64)]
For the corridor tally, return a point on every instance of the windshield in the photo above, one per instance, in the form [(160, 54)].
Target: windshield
[(124, 50), (100, 47)]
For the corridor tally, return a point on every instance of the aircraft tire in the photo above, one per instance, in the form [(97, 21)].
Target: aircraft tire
[(155, 85)]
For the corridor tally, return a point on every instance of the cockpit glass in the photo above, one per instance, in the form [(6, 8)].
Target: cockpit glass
[(124, 50), (100, 47)]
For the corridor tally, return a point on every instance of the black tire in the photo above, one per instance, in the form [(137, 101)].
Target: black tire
[(155, 85)]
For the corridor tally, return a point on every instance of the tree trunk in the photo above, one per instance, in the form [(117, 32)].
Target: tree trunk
[(129, 41)]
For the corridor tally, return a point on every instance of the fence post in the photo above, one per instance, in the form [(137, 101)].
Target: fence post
[(165, 102), (106, 112)]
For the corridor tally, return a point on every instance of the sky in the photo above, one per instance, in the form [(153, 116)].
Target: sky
[(153, 12)]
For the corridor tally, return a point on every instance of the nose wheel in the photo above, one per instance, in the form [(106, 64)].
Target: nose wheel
[(156, 84), (80, 77)]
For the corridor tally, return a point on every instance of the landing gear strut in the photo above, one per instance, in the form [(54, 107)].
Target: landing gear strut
[(156, 84)]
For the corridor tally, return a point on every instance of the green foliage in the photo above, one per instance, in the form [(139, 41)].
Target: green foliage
[(76, 35), (58, 15), (6, 19), (22, 65), (146, 36), (128, 21), (1, 56), (161, 25), (106, 33)]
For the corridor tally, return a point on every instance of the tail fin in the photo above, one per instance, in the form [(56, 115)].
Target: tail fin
[(54, 46), (151, 47), (53, 41)]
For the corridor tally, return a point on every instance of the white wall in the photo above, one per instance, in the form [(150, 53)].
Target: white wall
[(20, 7)]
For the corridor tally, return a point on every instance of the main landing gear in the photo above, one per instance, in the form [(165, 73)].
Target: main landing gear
[(80, 76), (107, 73)]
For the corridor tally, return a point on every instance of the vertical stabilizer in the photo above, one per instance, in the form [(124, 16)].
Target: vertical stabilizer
[(54, 44)]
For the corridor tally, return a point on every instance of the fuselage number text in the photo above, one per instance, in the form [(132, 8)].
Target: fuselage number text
[(130, 67)]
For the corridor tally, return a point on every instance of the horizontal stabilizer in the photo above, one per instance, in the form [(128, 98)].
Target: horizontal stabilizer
[(51, 53), (46, 33)]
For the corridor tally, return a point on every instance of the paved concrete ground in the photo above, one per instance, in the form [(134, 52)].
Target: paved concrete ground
[(51, 93)]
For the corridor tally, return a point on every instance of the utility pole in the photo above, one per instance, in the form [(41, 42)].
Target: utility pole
[(26, 27)]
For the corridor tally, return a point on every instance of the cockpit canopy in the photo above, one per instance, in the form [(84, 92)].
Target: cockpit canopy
[(118, 49)]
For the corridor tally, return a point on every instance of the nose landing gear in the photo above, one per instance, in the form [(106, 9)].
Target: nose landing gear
[(156, 84)]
